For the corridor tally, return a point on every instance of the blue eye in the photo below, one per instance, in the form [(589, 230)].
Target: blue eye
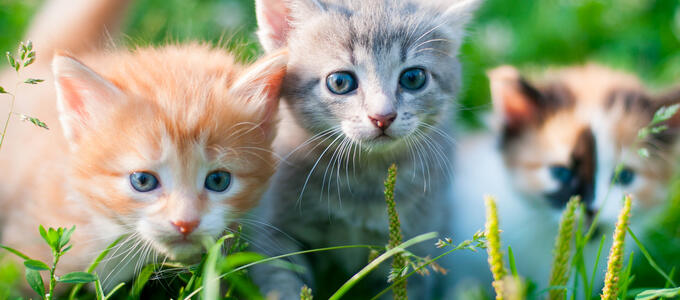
[(218, 181), (413, 79), (143, 181), (341, 83), (561, 174), (626, 177)]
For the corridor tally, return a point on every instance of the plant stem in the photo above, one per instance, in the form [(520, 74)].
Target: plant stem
[(9, 115), (53, 278)]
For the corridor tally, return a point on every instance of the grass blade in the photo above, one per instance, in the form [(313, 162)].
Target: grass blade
[(93, 265), (650, 259), (655, 294), (275, 258), (511, 261), (374, 264), (211, 282)]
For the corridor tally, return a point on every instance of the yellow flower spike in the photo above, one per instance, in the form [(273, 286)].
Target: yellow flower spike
[(615, 262), (494, 246), (562, 251)]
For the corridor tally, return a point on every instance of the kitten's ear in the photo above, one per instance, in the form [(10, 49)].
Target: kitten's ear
[(260, 86), (460, 12), (80, 94), (275, 19), (516, 103)]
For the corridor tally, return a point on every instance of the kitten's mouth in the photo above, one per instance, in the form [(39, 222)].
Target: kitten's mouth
[(383, 137)]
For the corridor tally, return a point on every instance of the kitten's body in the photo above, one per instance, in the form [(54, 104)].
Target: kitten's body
[(176, 113), (513, 162), (329, 190)]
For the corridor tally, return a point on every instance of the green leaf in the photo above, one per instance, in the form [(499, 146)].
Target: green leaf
[(2, 90), (14, 251), (664, 113), (35, 282), (12, 61), (23, 50), (28, 62), (66, 234), (654, 294), (34, 121), (643, 133), (643, 152), (43, 234), (33, 81), (659, 129), (36, 265), (77, 277), (53, 235)]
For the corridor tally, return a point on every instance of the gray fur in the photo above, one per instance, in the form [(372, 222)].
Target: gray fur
[(329, 191)]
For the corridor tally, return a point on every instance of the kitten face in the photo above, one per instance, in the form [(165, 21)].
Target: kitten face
[(162, 157), (379, 71), (568, 136)]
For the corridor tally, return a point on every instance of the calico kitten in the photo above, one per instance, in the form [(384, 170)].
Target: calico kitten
[(165, 145), (369, 83), (559, 137)]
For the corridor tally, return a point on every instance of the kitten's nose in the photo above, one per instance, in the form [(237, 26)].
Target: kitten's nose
[(185, 227), (383, 121)]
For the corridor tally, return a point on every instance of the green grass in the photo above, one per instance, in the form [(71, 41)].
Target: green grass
[(642, 36)]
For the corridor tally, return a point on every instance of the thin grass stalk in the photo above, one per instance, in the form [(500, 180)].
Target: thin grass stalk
[(615, 262), (562, 251), (395, 237)]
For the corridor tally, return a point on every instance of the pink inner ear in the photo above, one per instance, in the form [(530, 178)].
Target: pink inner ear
[(275, 15), (72, 89), (517, 108)]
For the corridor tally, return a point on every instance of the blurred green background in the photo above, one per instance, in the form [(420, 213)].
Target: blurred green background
[(641, 36)]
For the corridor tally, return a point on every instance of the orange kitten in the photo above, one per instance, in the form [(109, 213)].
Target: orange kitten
[(167, 146)]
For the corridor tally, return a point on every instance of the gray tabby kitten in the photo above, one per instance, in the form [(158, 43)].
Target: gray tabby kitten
[(369, 83)]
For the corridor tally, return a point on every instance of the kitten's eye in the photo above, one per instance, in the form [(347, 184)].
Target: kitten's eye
[(218, 181), (143, 181), (341, 83), (561, 174), (626, 177), (413, 79)]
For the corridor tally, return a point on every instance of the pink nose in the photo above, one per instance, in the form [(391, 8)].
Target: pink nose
[(383, 121), (185, 227)]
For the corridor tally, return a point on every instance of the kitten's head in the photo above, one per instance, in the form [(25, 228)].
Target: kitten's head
[(567, 134), (378, 71), (169, 144)]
